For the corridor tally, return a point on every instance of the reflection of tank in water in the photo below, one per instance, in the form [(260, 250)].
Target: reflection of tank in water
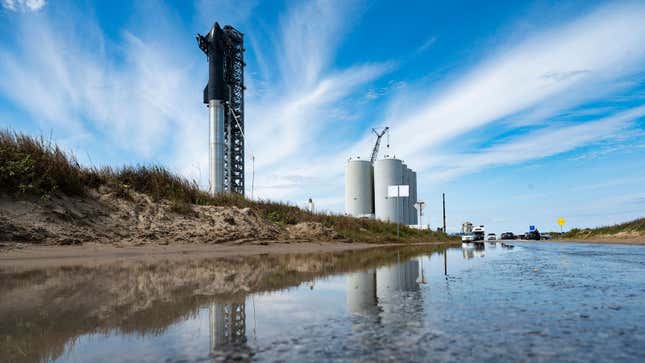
[(366, 289), (391, 294), (361, 292), (397, 290), (227, 324), (398, 277)]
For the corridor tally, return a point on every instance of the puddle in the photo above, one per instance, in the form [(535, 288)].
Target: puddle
[(535, 302)]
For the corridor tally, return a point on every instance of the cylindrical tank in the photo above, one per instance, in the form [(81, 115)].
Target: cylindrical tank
[(387, 172), (405, 201), (414, 218), (359, 188)]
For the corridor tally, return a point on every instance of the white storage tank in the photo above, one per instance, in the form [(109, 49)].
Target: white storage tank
[(405, 202), (387, 172), (359, 188), (414, 218)]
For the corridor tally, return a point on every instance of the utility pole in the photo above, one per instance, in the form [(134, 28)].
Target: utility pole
[(444, 212), (445, 262)]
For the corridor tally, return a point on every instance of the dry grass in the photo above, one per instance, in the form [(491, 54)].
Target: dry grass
[(636, 226), (32, 166)]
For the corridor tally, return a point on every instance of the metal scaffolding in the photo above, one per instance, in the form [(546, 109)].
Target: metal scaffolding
[(234, 113), (227, 325), (225, 51)]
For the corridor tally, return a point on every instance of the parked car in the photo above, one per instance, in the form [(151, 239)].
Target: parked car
[(478, 234), (546, 236), (533, 235), (491, 237), (507, 235), (467, 238)]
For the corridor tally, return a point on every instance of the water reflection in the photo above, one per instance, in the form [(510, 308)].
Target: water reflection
[(44, 313), (361, 292), (375, 305), (227, 325), (472, 250), (366, 289), (397, 277)]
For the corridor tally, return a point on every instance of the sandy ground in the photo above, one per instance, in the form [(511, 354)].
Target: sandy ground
[(105, 227), (102, 217), (33, 257)]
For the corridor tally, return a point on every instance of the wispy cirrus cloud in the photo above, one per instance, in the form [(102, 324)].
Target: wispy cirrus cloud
[(307, 97), (137, 92), (143, 97), (549, 72), (23, 5), (579, 58), (128, 96), (540, 144)]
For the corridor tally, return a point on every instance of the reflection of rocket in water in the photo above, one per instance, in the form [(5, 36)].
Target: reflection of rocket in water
[(361, 292), (227, 324)]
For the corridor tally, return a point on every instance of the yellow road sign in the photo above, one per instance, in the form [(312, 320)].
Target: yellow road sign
[(561, 221)]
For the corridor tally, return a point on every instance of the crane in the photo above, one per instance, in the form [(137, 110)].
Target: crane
[(379, 135)]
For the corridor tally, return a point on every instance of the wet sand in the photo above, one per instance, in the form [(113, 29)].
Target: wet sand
[(32, 257)]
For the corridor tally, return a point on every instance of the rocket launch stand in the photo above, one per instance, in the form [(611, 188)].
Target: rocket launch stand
[(224, 95)]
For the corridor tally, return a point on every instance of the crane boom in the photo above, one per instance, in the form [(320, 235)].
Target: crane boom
[(379, 135)]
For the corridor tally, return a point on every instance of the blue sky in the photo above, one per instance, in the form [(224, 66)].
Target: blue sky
[(521, 112)]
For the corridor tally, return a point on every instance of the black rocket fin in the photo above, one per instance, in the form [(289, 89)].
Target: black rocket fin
[(206, 94)]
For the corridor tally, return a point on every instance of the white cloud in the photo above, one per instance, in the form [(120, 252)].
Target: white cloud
[(144, 97), (23, 5), (298, 102), (580, 58), (427, 44), (539, 144), (66, 81), (545, 74), (299, 116)]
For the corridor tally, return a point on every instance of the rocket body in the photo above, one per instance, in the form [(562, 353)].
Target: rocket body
[(212, 44), (216, 147)]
